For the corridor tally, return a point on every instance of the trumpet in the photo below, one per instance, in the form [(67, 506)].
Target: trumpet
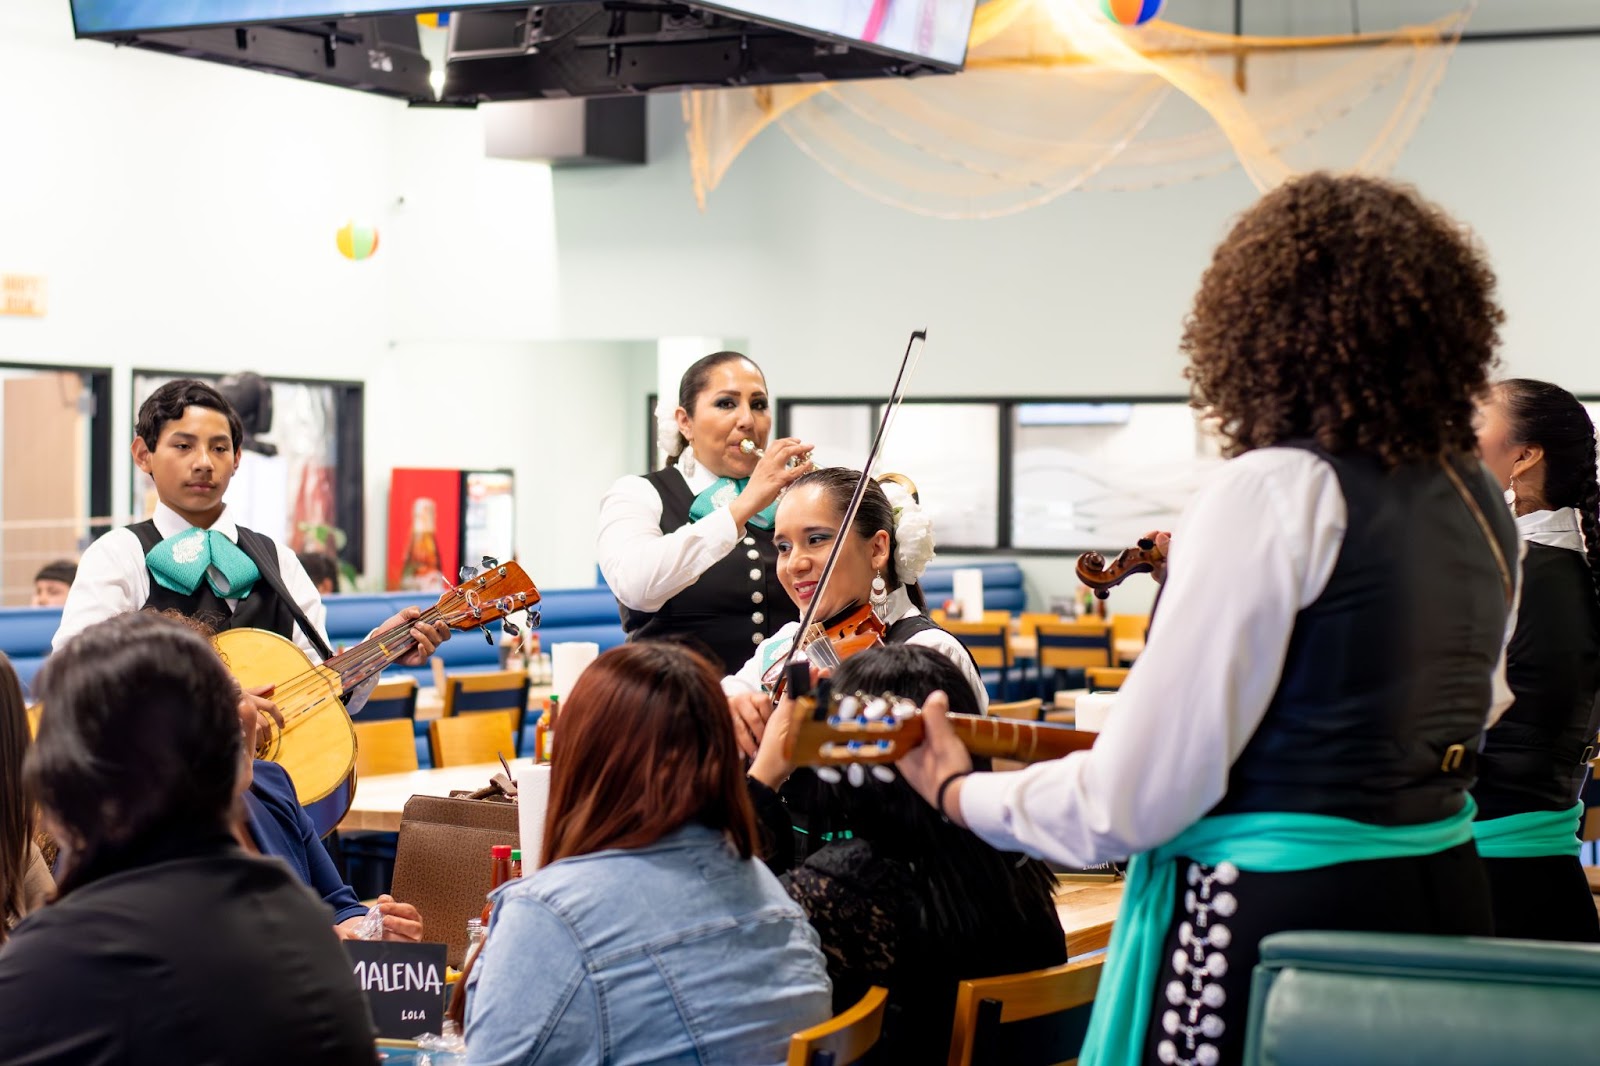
[(749, 447)]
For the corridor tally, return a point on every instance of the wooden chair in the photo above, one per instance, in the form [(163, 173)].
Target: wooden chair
[(470, 739), (843, 1039), (503, 691), (385, 747), (391, 699), (1128, 627), (1026, 1019), (990, 645), (1106, 678), (1072, 646), (1027, 711)]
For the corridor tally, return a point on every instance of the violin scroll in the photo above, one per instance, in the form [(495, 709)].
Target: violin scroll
[(1102, 577)]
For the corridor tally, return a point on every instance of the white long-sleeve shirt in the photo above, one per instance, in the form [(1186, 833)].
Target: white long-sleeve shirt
[(113, 579), (1206, 676), (645, 567)]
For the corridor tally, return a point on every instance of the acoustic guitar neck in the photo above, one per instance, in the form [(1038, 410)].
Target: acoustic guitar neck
[(1010, 738)]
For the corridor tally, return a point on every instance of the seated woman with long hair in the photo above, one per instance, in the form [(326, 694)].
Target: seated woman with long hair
[(165, 941), (901, 897), (650, 932), (882, 558), (25, 882)]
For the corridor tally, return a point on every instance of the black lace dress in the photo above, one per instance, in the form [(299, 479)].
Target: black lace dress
[(874, 916)]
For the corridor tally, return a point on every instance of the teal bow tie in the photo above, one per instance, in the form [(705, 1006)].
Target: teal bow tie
[(183, 560), (724, 492)]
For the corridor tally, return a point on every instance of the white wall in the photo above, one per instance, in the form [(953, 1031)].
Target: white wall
[(184, 216), (1084, 295)]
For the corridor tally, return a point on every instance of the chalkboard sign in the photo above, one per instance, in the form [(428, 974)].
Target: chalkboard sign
[(404, 984)]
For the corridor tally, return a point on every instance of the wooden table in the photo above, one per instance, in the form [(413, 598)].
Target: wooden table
[(380, 798), (1123, 652), (1087, 910)]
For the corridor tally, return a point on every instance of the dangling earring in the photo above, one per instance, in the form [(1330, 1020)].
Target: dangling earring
[(1511, 493), (879, 596)]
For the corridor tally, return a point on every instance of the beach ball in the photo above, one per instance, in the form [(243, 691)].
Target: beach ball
[(1131, 12), (357, 240), (437, 20)]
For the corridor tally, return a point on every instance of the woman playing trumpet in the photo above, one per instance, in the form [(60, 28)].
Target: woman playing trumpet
[(686, 550)]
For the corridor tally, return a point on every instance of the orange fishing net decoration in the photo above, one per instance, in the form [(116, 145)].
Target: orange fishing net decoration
[(1057, 97)]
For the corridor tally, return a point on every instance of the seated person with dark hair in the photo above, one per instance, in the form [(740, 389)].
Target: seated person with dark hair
[(274, 824), (322, 569), (53, 582), (166, 942), (901, 897)]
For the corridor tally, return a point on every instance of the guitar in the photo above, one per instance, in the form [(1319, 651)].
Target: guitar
[(317, 743), (831, 730)]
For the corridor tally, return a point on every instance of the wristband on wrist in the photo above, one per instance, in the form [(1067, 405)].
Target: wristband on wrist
[(938, 797)]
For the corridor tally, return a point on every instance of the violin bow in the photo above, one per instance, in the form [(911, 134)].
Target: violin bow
[(897, 395)]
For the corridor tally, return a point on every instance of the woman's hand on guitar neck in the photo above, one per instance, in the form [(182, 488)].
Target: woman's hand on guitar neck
[(428, 635), (940, 755), (770, 767)]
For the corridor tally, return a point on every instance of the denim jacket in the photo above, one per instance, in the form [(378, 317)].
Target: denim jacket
[(679, 952)]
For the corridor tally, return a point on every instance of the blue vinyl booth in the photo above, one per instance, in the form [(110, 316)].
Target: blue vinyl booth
[(581, 614)]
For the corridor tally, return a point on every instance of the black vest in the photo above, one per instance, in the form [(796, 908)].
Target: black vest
[(734, 605), (1391, 666), (262, 609), (1535, 757)]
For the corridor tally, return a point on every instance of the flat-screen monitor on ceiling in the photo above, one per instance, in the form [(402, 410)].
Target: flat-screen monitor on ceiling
[(932, 30), (103, 18)]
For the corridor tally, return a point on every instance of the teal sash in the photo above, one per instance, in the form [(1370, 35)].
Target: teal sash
[(1533, 835), (1270, 842), (723, 492)]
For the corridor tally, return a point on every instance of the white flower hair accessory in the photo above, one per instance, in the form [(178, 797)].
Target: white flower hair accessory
[(913, 533), (668, 439)]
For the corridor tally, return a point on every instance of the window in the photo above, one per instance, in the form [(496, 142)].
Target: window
[(1096, 475), (1025, 475), (55, 482)]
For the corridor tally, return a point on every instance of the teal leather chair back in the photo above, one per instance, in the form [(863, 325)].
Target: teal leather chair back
[(1333, 999)]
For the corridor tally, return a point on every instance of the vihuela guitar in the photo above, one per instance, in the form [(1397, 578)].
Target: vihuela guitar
[(317, 743), (836, 730)]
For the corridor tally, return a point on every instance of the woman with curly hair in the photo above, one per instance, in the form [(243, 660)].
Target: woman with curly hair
[(1294, 748), (1539, 443)]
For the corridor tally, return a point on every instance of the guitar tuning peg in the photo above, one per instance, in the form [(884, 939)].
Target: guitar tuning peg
[(488, 638), (468, 573), (510, 628), (533, 618), (490, 562), (855, 775)]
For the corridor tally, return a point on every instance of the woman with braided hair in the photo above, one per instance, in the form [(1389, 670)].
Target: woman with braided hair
[(1538, 441)]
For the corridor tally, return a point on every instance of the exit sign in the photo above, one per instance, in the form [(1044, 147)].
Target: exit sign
[(22, 295)]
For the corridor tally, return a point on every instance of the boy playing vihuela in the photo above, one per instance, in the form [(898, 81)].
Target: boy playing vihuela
[(192, 557)]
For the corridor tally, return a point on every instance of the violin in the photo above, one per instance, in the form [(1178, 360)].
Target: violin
[(1102, 577), (826, 646)]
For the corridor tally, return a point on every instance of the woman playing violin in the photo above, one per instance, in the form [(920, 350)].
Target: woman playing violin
[(686, 550), (885, 551)]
